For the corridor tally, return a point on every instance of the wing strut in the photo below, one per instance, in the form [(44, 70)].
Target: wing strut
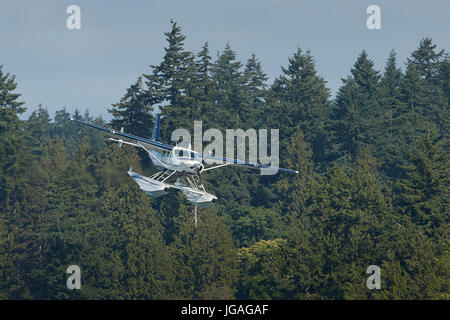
[(151, 153), (215, 167), (141, 146)]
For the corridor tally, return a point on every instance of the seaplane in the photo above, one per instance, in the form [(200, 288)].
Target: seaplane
[(181, 164)]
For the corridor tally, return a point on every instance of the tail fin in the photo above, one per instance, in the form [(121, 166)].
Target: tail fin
[(155, 134)]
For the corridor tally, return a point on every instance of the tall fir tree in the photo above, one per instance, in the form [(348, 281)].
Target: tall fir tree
[(205, 258), (14, 156), (255, 87), (134, 111), (431, 101), (6, 261), (38, 131), (427, 59), (300, 98), (390, 138), (444, 76), (170, 84), (228, 93), (356, 112), (423, 194), (204, 86)]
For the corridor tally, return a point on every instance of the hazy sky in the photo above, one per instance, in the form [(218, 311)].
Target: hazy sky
[(92, 67)]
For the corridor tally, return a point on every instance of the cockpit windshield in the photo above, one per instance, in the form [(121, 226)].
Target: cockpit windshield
[(184, 153)]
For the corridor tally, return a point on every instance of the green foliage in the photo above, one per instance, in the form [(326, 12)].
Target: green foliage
[(372, 187), (299, 98), (169, 84), (204, 258), (6, 262), (263, 270), (424, 193), (133, 113), (427, 59), (356, 113)]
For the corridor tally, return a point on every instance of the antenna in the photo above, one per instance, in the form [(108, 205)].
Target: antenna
[(195, 217)]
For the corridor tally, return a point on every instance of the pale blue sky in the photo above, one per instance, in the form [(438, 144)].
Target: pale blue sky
[(92, 67)]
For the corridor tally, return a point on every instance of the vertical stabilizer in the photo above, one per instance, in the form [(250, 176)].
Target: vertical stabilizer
[(155, 134)]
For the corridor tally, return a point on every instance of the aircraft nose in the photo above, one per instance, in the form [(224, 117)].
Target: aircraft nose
[(195, 165)]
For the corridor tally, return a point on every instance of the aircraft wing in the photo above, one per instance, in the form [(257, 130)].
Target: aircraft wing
[(157, 145), (147, 143), (248, 164)]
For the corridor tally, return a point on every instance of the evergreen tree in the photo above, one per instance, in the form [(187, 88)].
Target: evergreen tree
[(347, 126), (356, 113), (427, 59), (414, 268), (228, 93), (13, 154), (9, 103), (204, 86), (204, 258), (264, 274), (169, 84), (72, 133), (423, 193), (255, 88), (292, 191), (366, 77), (134, 112), (6, 262), (255, 224), (390, 139), (38, 131), (428, 99), (136, 263), (337, 235), (444, 76), (423, 112), (299, 98)]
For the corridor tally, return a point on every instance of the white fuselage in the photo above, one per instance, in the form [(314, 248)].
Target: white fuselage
[(179, 159)]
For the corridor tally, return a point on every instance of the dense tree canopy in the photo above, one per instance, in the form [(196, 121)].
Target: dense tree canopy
[(372, 187)]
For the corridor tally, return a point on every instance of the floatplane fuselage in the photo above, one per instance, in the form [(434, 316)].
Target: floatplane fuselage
[(184, 164)]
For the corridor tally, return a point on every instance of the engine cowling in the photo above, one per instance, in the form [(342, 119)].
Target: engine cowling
[(198, 167)]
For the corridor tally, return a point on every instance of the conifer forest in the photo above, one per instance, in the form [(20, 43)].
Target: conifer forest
[(372, 189)]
